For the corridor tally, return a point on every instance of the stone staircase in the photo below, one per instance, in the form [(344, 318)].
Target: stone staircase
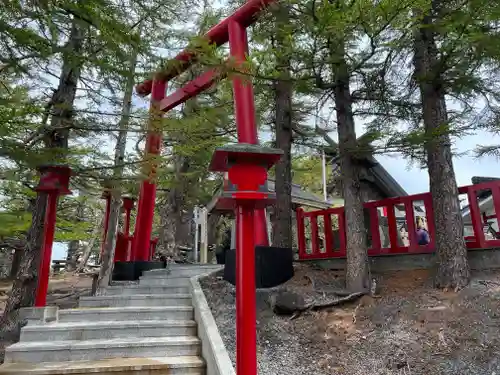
[(142, 329)]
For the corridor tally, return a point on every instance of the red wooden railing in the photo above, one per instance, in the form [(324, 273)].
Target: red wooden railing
[(329, 250)]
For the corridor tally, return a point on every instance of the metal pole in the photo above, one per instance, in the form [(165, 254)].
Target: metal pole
[(146, 205), (323, 164), (48, 240), (246, 336)]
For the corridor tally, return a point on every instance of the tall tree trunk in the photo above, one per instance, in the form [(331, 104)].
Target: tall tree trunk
[(56, 136), (282, 228), (87, 250), (173, 225), (108, 255), (357, 259), (25, 282), (74, 245), (72, 256), (121, 142), (452, 264)]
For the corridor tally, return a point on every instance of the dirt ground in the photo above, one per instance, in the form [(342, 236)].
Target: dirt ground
[(64, 291), (408, 328)]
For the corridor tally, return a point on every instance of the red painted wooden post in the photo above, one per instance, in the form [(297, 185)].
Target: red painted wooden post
[(314, 235), (327, 222), (54, 181), (147, 195), (49, 229), (429, 214), (475, 216), (393, 228), (244, 109), (410, 224), (246, 336), (342, 233), (301, 237), (374, 229), (128, 205), (495, 192), (152, 248)]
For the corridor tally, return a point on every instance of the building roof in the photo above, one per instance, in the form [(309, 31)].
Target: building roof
[(484, 197), (381, 178), (299, 197)]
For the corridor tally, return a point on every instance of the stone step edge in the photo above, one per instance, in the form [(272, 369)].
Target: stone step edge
[(160, 276), (141, 286), (89, 325), (182, 266), (109, 365), (103, 343), (136, 296), (112, 310)]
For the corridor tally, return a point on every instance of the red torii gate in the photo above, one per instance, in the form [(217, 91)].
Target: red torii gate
[(246, 166)]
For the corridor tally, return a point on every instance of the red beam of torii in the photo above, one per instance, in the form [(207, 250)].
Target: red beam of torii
[(249, 218)]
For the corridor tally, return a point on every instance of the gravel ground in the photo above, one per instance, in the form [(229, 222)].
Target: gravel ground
[(408, 328)]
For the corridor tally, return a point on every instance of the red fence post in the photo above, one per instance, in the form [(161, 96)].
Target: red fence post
[(410, 224), (374, 229), (314, 235), (495, 192), (429, 214), (342, 233), (327, 222), (393, 228), (475, 215), (301, 236)]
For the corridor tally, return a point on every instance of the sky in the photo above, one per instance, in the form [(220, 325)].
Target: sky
[(415, 180)]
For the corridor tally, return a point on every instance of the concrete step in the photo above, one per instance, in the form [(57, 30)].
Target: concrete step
[(185, 365), (131, 290), (107, 330), (164, 281), (184, 271), (64, 351), (126, 314), (136, 300)]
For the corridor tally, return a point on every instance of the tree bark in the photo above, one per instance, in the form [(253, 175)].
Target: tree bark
[(106, 270), (72, 257), (56, 137), (357, 277), (108, 255), (24, 286), (87, 250), (174, 226), (282, 228), (452, 268)]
